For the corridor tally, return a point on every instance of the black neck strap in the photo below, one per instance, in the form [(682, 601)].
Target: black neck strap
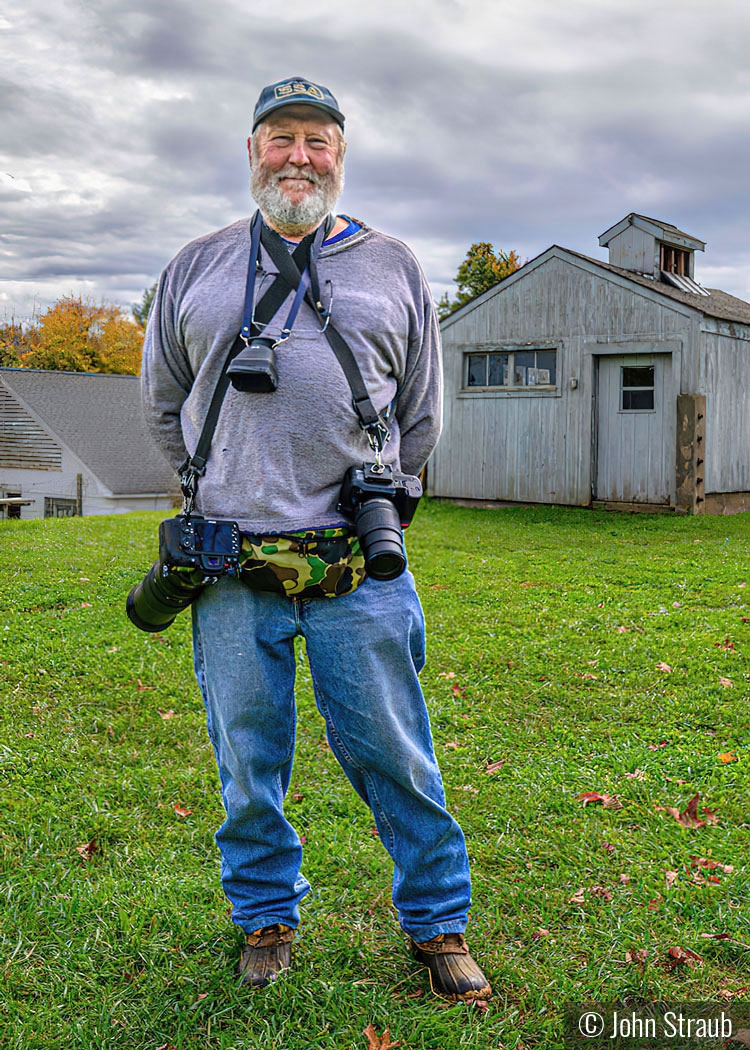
[(290, 270)]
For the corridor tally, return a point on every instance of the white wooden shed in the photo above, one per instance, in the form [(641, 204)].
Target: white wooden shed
[(579, 381), (75, 443)]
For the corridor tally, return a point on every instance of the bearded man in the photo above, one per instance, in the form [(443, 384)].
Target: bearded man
[(297, 420)]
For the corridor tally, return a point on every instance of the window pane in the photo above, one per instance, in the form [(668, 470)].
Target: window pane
[(632, 376), (477, 370), (638, 400), (546, 364), (498, 370), (523, 360)]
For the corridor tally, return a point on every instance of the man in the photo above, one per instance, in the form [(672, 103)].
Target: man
[(277, 461)]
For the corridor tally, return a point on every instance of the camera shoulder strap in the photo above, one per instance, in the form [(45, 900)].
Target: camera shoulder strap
[(369, 418)]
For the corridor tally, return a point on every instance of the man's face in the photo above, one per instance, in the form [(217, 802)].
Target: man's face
[(296, 157)]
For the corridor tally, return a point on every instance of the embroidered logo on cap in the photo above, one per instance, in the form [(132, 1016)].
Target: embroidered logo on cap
[(299, 87)]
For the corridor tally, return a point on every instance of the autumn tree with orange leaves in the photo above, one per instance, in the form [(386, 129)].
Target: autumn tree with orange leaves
[(79, 335)]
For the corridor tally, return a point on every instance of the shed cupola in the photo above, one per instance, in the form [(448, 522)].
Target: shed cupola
[(655, 249)]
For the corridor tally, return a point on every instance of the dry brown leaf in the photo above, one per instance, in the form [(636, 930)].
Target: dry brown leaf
[(143, 688), (638, 957), (608, 801), (727, 683), (166, 715), (638, 774), (624, 879), (608, 847), (726, 645), (655, 903), (379, 1042), (538, 934), (709, 865), (728, 756), (601, 891), (578, 896), (680, 956), (494, 767), (621, 630), (655, 747), (689, 816), (181, 811), (663, 667), (88, 849)]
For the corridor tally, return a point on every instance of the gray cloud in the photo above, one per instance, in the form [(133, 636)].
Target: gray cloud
[(125, 125)]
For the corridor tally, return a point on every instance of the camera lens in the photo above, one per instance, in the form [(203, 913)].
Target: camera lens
[(154, 602), (379, 532)]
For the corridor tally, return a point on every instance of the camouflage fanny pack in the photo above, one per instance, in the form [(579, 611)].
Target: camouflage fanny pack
[(318, 563)]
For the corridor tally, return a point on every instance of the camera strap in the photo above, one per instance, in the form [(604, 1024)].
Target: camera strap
[(297, 271), (371, 421)]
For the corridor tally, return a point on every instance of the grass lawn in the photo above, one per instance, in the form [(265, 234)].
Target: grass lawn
[(569, 652)]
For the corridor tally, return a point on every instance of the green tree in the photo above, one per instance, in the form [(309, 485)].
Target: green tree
[(142, 309), (481, 269)]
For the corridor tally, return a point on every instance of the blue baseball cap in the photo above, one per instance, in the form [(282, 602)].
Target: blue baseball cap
[(296, 91)]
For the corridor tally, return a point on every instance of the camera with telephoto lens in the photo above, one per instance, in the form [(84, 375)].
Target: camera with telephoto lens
[(194, 552), (381, 502), (253, 370)]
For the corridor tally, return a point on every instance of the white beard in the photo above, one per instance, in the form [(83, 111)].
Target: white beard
[(286, 216)]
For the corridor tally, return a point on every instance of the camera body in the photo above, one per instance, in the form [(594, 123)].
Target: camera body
[(381, 502), (253, 370), (194, 542)]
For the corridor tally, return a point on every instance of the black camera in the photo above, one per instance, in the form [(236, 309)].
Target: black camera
[(381, 502), (193, 553), (253, 370)]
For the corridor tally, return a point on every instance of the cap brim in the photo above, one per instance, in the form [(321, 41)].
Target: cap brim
[(329, 110)]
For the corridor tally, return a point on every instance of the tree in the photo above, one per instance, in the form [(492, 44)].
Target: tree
[(78, 335), (481, 269), (142, 309)]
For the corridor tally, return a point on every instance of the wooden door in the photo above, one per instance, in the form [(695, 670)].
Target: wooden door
[(635, 453)]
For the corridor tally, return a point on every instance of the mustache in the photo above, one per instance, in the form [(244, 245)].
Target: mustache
[(297, 173)]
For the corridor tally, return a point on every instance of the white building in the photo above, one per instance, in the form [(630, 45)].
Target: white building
[(76, 443)]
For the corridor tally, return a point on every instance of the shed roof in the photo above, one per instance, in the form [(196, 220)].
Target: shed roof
[(99, 418), (717, 304), (657, 227)]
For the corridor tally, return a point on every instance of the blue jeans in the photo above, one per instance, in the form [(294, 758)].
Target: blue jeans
[(365, 651)]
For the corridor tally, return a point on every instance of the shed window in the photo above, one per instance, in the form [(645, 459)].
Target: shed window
[(674, 260), (511, 369), (637, 388), (58, 507)]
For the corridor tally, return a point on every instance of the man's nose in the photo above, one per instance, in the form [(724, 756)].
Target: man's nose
[(299, 155)]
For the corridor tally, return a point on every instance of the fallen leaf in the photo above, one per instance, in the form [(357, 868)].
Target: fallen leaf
[(726, 645), (453, 744), (303, 840), (458, 690), (379, 1042), (494, 767), (85, 579), (655, 903), (727, 683), (88, 849), (608, 801), (578, 896), (681, 956), (663, 667), (166, 715), (538, 934), (621, 630), (638, 774), (114, 649), (601, 891), (676, 605), (639, 957), (608, 847), (689, 816), (671, 877), (655, 747), (742, 1036), (297, 796), (201, 995), (141, 687), (181, 811), (728, 756), (447, 674), (624, 879), (702, 862), (86, 605), (167, 1046)]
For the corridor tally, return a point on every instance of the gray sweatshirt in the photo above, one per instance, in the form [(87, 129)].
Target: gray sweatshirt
[(277, 459)]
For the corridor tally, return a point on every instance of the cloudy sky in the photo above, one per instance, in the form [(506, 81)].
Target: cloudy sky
[(520, 122)]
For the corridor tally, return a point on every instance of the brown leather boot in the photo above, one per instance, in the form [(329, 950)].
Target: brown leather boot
[(453, 973), (267, 953)]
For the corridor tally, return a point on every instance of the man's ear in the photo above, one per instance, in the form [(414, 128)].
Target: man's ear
[(250, 150)]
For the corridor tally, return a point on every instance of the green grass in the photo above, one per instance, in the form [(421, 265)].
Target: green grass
[(545, 628)]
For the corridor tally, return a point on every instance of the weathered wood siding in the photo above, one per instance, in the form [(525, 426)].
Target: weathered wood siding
[(533, 446), (724, 377), (634, 249)]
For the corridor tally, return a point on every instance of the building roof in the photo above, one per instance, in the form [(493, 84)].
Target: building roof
[(717, 304), (99, 418)]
